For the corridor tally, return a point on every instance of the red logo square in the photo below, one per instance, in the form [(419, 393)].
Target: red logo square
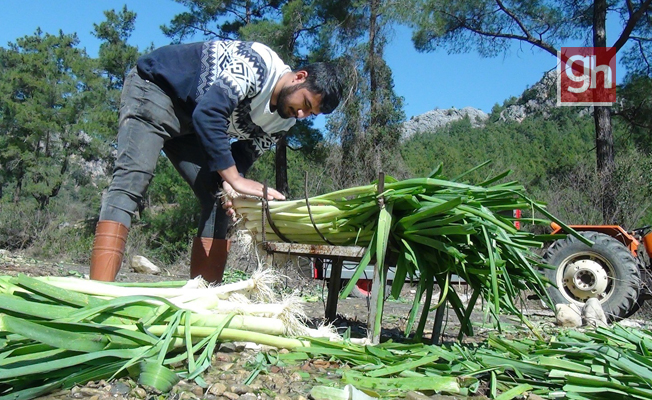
[(586, 76)]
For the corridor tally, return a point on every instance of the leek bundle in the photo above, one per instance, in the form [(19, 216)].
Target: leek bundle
[(432, 228), (58, 332)]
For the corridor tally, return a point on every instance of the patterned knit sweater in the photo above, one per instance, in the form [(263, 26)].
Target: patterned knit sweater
[(226, 88)]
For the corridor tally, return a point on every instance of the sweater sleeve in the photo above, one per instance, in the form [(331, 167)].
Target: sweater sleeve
[(211, 116)]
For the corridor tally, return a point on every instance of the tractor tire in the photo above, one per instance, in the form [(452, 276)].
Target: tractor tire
[(607, 271)]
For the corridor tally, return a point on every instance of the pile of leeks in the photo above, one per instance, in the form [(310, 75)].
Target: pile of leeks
[(54, 337), (58, 332), (605, 363), (432, 229)]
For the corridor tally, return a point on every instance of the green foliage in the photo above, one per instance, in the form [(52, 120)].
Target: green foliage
[(232, 275), (299, 163), (635, 108), (552, 155), (534, 148), (50, 93), (19, 222), (116, 56), (456, 26), (491, 27), (218, 19), (63, 231), (633, 187)]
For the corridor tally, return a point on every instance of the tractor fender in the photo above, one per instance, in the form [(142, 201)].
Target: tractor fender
[(615, 231)]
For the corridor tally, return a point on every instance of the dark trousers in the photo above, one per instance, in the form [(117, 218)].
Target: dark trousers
[(149, 125)]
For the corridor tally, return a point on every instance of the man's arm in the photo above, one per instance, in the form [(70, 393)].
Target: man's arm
[(211, 119)]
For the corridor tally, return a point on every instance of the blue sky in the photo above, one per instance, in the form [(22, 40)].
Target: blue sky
[(425, 80)]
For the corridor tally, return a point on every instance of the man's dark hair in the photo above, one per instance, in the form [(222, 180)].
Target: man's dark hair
[(323, 79)]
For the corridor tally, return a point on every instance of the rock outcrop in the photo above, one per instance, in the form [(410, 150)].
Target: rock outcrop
[(438, 118), (536, 100)]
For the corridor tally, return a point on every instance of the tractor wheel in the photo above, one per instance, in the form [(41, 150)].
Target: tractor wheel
[(607, 271)]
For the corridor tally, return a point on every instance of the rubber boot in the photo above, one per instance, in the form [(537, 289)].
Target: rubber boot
[(208, 258), (108, 250)]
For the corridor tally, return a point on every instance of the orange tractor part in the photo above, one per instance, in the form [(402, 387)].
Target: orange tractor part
[(615, 231), (647, 241)]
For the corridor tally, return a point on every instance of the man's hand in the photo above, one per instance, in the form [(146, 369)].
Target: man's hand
[(230, 193), (246, 186), (253, 188)]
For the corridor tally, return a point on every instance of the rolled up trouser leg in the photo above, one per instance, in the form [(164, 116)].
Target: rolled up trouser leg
[(108, 250)]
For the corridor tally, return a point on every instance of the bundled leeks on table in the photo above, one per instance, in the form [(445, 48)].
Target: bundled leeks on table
[(432, 227)]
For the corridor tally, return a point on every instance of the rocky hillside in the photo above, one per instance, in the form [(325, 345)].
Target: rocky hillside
[(438, 118), (537, 99)]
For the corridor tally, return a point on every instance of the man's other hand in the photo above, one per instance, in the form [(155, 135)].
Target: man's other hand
[(253, 188)]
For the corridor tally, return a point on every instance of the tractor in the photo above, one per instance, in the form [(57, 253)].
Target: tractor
[(616, 269)]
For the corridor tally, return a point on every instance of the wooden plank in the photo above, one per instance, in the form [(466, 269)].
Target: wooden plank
[(353, 253)]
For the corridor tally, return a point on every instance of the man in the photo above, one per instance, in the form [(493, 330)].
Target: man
[(213, 108)]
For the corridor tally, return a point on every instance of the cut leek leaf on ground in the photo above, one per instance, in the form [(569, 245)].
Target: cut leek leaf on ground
[(610, 362)]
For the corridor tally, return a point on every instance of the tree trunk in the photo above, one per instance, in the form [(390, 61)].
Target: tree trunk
[(373, 78), (605, 163), (282, 166), (19, 184), (604, 141)]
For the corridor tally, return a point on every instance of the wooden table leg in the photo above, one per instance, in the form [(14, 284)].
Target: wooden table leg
[(334, 286)]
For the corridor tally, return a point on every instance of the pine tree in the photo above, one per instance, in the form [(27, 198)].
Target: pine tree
[(50, 94)]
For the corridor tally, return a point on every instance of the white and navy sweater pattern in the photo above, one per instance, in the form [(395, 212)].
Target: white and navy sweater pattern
[(229, 100)]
